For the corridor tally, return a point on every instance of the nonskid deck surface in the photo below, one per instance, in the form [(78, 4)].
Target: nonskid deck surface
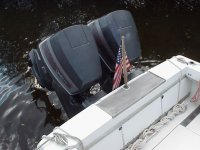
[(123, 99), (181, 134)]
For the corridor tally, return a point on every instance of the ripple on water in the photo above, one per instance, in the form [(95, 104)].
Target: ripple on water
[(22, 120)]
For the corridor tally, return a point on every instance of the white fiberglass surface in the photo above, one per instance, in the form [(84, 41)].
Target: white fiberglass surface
[(180, 138)]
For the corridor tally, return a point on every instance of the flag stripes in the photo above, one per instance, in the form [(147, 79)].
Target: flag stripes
[(118, 68)]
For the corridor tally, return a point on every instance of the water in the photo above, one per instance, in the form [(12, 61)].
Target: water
[(25, 113), (166, 28)]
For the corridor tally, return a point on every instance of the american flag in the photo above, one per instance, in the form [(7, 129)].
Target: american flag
[(118, 68)]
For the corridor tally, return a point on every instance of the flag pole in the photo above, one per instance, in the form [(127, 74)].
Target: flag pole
[(124, 63)]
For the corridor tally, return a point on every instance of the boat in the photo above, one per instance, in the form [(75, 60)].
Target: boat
[(155, 110), (159, 111)]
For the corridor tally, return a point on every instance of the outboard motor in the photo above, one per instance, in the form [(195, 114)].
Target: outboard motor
[(70, 63), (107, 32), (67, 63)]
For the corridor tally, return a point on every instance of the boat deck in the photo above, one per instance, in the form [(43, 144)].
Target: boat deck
[(183, 133)]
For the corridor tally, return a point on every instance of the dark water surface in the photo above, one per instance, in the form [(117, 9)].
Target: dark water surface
[(166, 28)]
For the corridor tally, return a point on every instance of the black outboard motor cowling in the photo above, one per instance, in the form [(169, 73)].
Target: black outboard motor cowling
[(107, 32), (70, 59)]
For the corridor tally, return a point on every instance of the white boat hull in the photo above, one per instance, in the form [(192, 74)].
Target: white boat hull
[(118, 118)]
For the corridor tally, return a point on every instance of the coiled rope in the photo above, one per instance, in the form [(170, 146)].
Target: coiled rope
[(62, 139), (154, 129)]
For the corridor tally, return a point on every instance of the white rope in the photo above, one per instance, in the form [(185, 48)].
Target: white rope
[(62, 139), (95, 89), (154, 129)]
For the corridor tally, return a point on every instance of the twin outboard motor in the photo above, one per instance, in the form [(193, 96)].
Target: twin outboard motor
[(74, 59)]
